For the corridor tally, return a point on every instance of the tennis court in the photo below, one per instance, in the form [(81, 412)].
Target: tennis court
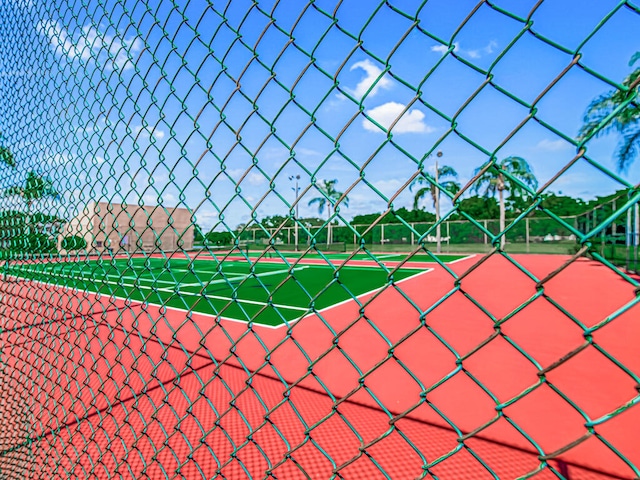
[(273, 289), (190, 392)]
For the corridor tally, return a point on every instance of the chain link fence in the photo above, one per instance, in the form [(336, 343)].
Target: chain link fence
[(322, 239)]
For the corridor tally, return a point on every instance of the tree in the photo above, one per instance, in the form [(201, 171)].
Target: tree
[(198, 234), (31, 233), (480, 208), (218, 238), (394, 216), (73, 242), (499, 177), (329, 197), (38, 228), (430, 182), (625, 119), (35, 188), (563, 205), (433, 186), (6, 157)]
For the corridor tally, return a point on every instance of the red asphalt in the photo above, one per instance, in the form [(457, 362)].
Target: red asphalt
[(121, 387)]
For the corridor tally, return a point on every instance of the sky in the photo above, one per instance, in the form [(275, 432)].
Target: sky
[(215, 107)]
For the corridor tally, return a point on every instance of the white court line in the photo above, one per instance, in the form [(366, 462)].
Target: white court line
[(171, 290), (430, 259), (461, 259), (387, 256), (177, 288), (80, 276), (228, 277), (217, 318), (217, 297), (263, 274), (358, 297), (234, 277)]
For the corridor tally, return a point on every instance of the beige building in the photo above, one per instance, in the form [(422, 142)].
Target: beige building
[(132, 228)]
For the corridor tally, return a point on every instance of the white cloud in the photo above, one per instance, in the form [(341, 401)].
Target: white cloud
[(88, 130), (255, 179), (373, 73), (412, 121), (148, 132), (59, 159), (206, 219), (160, 179), (17, 3), (153, 198), (282, 154), (444, 48), (571, 179), (307, 152), (388, 187), (274, 153), (91, 44), (490, 46), (235, 173), (471, 53), (252, 178), (91, 127), (360, 204), (553, 145)]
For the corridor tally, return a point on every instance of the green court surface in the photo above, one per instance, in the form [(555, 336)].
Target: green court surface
[(265, 292)]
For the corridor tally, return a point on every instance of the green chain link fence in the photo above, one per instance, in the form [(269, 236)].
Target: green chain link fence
[(263, 239)]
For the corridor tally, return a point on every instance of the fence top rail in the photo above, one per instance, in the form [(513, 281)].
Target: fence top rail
[(398, 224)]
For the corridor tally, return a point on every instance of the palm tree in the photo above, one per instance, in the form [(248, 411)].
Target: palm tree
[(497, 179), (434, 191), (329, 197), (625, 119), (430, 188)]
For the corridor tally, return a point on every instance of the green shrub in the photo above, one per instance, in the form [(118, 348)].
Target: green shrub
[(73, 242), (218, 238)]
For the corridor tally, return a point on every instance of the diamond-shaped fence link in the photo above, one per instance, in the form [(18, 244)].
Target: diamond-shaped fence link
[(323, 239)]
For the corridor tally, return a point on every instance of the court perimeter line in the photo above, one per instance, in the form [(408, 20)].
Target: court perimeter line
[(228, 277), (370, 292), (461, 259), (382, 257), (235, 320), (291, 322), (98, 295)]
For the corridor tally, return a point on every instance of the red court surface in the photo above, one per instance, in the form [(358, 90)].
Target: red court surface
[(367, 389)]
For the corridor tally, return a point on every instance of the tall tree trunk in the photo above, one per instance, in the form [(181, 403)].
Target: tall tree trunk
[(502, 208)]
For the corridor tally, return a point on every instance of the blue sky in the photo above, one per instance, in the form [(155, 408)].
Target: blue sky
[(116, 106)]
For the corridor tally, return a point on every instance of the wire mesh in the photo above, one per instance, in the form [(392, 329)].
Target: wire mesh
[(228, 235)]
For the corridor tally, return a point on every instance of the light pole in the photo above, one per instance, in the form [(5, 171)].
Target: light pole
[(437, 205), (295, 220)]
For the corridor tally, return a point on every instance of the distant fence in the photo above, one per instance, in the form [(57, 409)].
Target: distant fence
[(531, 234)]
